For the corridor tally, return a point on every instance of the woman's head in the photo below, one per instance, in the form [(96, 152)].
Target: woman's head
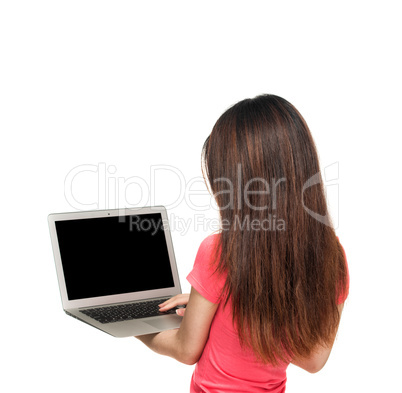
[(283, 262), (259, 156)]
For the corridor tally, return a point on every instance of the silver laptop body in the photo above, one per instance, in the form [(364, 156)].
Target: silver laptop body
[(115, 257)]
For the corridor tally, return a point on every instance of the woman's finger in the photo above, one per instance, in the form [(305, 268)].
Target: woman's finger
[(181, 311), (178, 300), (173, 300)]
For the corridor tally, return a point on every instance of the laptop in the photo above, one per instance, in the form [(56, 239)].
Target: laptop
[(114, 267)]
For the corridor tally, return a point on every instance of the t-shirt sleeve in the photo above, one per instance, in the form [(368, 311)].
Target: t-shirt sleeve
[(343, 296), (203, 277)]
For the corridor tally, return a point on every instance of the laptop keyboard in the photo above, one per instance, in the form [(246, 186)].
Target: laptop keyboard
[(125, 312)]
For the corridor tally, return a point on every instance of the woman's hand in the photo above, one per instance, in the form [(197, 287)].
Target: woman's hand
[(187, 343), (175, 301)]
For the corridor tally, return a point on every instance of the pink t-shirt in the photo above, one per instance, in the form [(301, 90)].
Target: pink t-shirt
[(224, 365)]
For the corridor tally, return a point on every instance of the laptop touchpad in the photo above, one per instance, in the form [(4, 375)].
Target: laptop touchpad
[(164, 323)]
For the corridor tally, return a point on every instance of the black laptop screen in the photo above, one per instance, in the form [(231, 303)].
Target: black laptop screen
[(114, 255)]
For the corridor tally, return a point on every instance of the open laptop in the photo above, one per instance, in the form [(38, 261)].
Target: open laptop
[(114, 267)]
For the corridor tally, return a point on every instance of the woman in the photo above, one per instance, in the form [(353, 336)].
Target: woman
[(268, 290)]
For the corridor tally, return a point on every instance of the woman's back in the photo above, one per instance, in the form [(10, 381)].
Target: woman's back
[(225, 365)]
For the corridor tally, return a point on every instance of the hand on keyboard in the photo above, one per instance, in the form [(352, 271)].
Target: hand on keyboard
[(179, 301)]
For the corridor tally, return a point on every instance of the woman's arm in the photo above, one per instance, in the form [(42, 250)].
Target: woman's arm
[(187, 343), (317, 361)]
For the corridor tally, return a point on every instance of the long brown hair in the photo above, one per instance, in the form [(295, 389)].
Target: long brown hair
[(284, 264)]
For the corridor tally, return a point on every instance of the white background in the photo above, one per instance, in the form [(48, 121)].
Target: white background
[(127, 85)]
